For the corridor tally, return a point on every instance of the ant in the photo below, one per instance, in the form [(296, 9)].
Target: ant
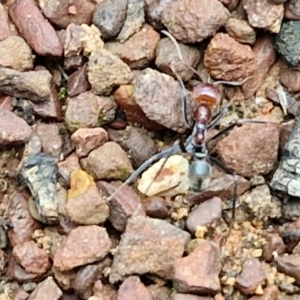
[(207, 97)]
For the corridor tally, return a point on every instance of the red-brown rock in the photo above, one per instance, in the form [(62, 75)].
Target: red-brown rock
[(4, 24), (14, 130), (198, 272), (264, 14), (139, 50), (23, 225), (35, 29), (229, 60), (246, 152), (65, 12), (292, 10), (46, 288), (88, 139), (83, 245), (251, 277), (191, 21), (265, 57), (132, 288), (32, 258)]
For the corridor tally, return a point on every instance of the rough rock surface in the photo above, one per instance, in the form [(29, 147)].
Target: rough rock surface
[(30, 21), (191, 21), (83, 245), (108, 161), (160, 96), (106, 71), (139, 50), (251, 277), (229, 60), (31, 85), (15, 54), (200, 278), (157, 242), (109, 16), (13, 129), (246, 152), (60, 13), (264, 14), (132, 288)]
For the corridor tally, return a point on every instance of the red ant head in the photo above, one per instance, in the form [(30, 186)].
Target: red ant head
[(206, 93)]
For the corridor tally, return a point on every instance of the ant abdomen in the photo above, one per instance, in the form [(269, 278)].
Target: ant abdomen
[(199, 174)]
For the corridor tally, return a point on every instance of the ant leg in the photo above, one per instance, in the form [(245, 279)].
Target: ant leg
[(238, 123), (165, 153), (217, 118), (184, 99)]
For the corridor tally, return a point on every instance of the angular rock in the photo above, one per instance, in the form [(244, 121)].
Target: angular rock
[(50, 109), (5, 30), (264, 14), (157, 241), (261, 194), (107, 162), (78, 82), (287, 42), (109, 16), (88, 110), (251, 277), (50, 138), (88, 139), (32, 258), (46, 288), (124, 98), (292, 10), (82, 39), (85, 205), (163, 106), (289, 265), (15, 54), (270, 292), (135, 17), (136, 141), (265, 57), (123, 205), (30, 21), (87, 276), (201, 277), (66, 167), (64, 279), (13, 130), (133, 288), (154, 10), (205, 214), (83, 245), (246, 152), (274, 244), (38, 171), (229, 60), (60, 13), (172, 180), (105, 292), (167, 59), (23, 225), (20, 295), (291, 79), (241, 31), (191, 21), (106, 71), (31, 85), (139, 50)]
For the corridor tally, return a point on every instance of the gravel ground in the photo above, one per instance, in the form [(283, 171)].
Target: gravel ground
[(91, 89)]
